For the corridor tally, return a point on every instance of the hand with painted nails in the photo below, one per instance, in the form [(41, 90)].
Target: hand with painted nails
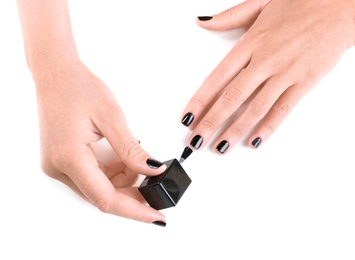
[(287, 48), (77, 109)]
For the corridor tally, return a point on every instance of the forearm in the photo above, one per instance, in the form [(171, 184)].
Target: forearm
[(47, 33)]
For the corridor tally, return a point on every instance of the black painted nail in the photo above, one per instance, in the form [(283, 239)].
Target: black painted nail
[(188, 118), (204, 18), (222, 146), (196, 141), (159, 223), (154, 164), (256, 142)]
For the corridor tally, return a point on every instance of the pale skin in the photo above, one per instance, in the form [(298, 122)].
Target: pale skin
[(289, 45), (287, 48), (77, 109)]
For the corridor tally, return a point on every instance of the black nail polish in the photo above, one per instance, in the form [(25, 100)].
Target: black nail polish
[(159, 223), (222, 146), (256, 142), (204, 18), (196, 141), (188, 118), (154, 164), (185, 154)]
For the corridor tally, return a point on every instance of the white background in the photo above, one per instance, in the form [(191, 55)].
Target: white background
[(293, 198)]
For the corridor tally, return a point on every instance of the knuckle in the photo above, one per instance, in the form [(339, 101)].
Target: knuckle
[(208, 125), (49, 170), (269, 129), (231, 12), (103, 204), (232, 96), (260, 106), (312, 75), (199, 101), (236, 132), (217, 77), (62, 160), (284, 109), (54, 166), (131, 148), (55, 161)]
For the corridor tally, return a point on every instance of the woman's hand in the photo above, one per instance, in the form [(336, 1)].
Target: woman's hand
[(77, 109), (289, 46)]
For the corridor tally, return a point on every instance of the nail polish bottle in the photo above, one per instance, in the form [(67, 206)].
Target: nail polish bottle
[(165, 190)]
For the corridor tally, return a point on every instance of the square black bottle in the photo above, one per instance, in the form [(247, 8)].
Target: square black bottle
[(165, 190)]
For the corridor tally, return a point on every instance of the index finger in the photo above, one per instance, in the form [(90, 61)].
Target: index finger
[(234, 62)]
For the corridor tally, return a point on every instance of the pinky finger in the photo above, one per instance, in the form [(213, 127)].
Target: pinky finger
[(277, 114)]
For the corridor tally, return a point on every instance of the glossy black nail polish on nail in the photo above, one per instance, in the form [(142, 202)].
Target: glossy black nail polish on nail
[(222, 146), (154, 164), (188, 118), (256, 142), (159, 223), (204, 18), (196, 141)]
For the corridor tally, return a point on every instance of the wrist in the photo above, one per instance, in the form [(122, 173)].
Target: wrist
[(352, 3), (349, 10), (47, 34), (45, 64)]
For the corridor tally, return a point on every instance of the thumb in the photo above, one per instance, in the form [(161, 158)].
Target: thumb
[(240, 15)]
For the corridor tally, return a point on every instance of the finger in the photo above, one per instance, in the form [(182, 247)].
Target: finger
[(238, 16), (119, 174), (234, 62), (63, 178), (85, 172), (277, 114), (114, 127), (133, 192), (255, 110), (227, 104)]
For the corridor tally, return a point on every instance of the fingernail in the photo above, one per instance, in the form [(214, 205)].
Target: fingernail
[(204, 18), (159, 223), (196, 141), (256, 142), (222, 146), (154, 164), (188, 118)]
